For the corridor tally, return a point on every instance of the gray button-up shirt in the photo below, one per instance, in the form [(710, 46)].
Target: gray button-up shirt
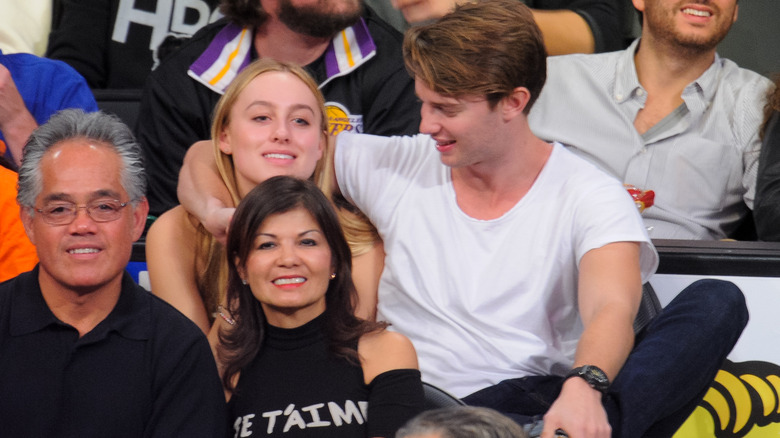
[(701, 160)]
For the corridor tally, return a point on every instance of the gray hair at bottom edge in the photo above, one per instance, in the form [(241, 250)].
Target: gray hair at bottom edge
[(72, 124), (462, 422)]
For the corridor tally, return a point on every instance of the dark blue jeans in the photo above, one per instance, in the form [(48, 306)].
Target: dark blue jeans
[(666, 375)]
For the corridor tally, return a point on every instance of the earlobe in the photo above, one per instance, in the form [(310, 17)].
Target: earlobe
[(239, 268), (323, 144), (140, 213), (639, 5), (224, 142), (515, 103)]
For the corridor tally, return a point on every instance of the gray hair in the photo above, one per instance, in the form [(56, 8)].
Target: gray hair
[(462, 422), (76, 124)]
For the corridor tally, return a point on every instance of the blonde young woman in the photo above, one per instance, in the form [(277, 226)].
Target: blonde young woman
[(270, 121)]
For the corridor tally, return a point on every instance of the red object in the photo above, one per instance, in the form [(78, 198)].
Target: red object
[(642, 198)]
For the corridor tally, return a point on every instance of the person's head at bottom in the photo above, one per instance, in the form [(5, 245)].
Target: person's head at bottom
[(461, 422)]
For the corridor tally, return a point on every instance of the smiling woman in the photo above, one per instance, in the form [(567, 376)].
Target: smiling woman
[(296, 359), (290, 268), (269, 122)]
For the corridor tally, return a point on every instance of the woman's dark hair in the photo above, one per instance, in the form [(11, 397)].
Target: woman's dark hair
[(240, 343)]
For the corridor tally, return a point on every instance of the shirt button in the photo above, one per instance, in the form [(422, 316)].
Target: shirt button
[(640, 92), (619, 96)]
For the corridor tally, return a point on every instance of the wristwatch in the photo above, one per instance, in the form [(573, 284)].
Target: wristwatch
[(592, 374)]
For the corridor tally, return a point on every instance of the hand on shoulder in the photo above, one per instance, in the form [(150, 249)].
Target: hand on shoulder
[(217, 222)]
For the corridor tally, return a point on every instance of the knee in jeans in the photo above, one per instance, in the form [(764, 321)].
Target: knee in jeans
[(723, 301)]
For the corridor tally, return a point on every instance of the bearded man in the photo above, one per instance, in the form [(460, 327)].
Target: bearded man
[(667, 114), (353, 55)]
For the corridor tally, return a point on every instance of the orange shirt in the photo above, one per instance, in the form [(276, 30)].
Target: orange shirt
[(17, 254)]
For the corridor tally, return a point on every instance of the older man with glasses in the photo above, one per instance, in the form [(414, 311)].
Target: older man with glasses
[(84, 351)]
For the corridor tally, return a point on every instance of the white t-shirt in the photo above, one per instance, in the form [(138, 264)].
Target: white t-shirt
[(484, 300)]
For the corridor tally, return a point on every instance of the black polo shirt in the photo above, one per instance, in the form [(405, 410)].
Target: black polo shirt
[(144, 371)]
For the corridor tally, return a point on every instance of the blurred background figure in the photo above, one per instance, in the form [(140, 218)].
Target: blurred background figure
[(461, 422), (353, 55), (25, 26), (17, 253), (32, 89), (113, 43), (632, 110), (766, 209), (568, 26)]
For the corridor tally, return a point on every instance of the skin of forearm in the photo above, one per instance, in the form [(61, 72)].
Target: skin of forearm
[(200, 187), (564, 32), (606, 342), (16, 133)]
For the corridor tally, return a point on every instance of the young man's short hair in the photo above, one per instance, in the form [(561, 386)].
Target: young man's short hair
[(486, 48)]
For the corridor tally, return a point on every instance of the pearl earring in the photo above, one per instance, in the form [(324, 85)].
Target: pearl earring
[(243, 282), (332, 276)]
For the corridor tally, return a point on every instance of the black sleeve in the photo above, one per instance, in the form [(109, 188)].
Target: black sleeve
[(81, 37), (395, 397), (175, 112), (388, 99), (766, 206), (395, 109), (605, 18)]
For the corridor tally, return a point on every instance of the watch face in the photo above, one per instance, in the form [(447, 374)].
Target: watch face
[(596, 373), (593, 375)]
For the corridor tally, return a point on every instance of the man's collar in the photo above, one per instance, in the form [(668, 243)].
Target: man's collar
[(231, 50), (707, 83), (627, 81), (30, 313), (131, 317)]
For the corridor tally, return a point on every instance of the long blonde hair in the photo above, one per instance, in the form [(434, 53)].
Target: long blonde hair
[(211, 277)]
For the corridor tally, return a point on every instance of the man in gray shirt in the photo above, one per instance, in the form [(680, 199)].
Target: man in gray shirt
[(668, 115)]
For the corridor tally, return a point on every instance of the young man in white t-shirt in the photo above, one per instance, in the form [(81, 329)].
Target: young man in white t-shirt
[(515, 267)]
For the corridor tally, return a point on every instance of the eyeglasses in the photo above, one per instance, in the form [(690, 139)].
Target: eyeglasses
[(63, 213)]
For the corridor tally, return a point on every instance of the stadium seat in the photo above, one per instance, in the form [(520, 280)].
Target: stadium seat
[(438, 398), (121, 102)]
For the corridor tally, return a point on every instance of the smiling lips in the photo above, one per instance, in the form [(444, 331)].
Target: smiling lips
[(83, 251), (288, 281), (279, 156), (443, 146), (696, 12)]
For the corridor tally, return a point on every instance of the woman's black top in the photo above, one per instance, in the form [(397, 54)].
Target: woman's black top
[(295, 387)]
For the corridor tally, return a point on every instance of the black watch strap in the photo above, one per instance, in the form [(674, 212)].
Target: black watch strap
[(592, 374)]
